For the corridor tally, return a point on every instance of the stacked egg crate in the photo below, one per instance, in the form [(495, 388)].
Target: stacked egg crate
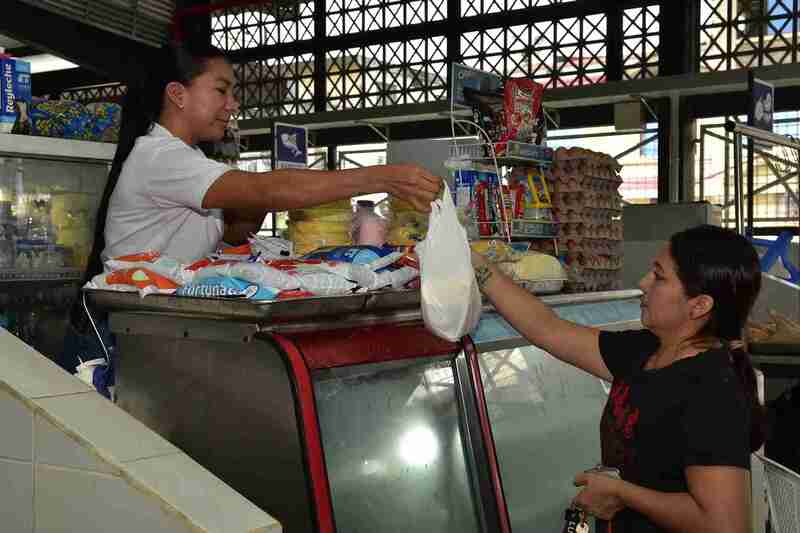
[(588, 207)]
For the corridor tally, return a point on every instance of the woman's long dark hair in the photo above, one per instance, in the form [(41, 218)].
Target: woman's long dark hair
[(724, 265), (141, 109)]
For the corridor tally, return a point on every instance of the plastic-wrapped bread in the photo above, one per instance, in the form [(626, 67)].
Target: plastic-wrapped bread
[(534, 266)]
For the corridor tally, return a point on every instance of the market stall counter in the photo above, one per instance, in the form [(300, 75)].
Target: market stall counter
[(345, 414)]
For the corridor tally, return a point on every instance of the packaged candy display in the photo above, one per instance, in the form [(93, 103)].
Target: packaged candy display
[(522, 205), (588, 206)]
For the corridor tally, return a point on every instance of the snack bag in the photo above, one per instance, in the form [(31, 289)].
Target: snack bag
[(226, 287), (522, 103), (152, 261), (134, 279)]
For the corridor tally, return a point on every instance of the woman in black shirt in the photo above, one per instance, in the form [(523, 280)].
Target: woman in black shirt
[(683, 414)]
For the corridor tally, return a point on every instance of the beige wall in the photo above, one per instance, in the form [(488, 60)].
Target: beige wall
[(71, 461)]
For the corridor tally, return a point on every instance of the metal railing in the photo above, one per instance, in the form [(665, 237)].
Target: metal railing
[(783, 170)]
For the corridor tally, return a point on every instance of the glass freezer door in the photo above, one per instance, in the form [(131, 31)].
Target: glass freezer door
[(395, 448)]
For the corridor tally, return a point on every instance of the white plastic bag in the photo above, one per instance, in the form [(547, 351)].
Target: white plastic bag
[(451, 301)]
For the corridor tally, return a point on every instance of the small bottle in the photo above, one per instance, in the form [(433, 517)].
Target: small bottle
[(368, 227)]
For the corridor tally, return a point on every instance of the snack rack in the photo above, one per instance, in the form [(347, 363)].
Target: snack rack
[(535, 219)]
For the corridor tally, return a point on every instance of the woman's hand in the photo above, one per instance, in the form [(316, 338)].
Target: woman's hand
[(478, 260), (414, 185), (600, 495)]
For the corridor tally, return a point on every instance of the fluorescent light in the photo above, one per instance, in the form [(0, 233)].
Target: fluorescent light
[(47, 63), (419, 446)]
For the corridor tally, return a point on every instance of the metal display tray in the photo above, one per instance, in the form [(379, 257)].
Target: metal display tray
[(302, 309), (291, 310)]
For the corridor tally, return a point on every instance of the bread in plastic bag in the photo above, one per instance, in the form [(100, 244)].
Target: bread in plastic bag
[(451, 301)]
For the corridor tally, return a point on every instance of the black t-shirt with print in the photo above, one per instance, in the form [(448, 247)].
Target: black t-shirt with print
[(658, 422)]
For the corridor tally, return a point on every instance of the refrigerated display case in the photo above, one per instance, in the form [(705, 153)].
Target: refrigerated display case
[(49, 193), (345, 414)]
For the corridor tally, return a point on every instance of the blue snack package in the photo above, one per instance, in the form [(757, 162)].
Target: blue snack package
[(356, 254), (224, 287), (106, 118), (63, 119)]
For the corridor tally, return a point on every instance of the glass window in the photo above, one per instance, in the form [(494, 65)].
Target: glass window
[(400, 72), (253, 27), (362, 155), (650, 148), (393, 445), (275, 87), (640, 29), (545, 418), (470, 8), (344, 17), (639, 170), (557, 53), (735, 35), (775, 172)]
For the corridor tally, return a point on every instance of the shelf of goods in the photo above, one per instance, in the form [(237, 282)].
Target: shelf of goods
[(588, 207), (526, 213)]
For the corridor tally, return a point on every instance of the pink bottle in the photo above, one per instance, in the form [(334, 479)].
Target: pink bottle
[(368, 227)]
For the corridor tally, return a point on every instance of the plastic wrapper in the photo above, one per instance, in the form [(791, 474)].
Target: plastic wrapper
[(63, 119), (258, 273), (134, 279), (293, 274), (396, 279), (153, 262), (324, 225), (362, 254), (105, 118), (227, 287), (271, 247), (523, 99)]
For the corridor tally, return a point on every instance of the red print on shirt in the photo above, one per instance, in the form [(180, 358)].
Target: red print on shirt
[(625, 418), (618, 429)]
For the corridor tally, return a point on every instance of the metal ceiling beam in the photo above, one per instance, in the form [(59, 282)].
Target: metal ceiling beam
[(706, 83), (97, 50), (23, 51), (59, 80)]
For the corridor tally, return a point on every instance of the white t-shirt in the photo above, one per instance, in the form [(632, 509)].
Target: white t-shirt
[(157, 203)]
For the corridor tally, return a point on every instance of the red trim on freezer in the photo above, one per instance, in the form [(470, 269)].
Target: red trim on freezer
[(313, 441), (372, 344), (488, 437)]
